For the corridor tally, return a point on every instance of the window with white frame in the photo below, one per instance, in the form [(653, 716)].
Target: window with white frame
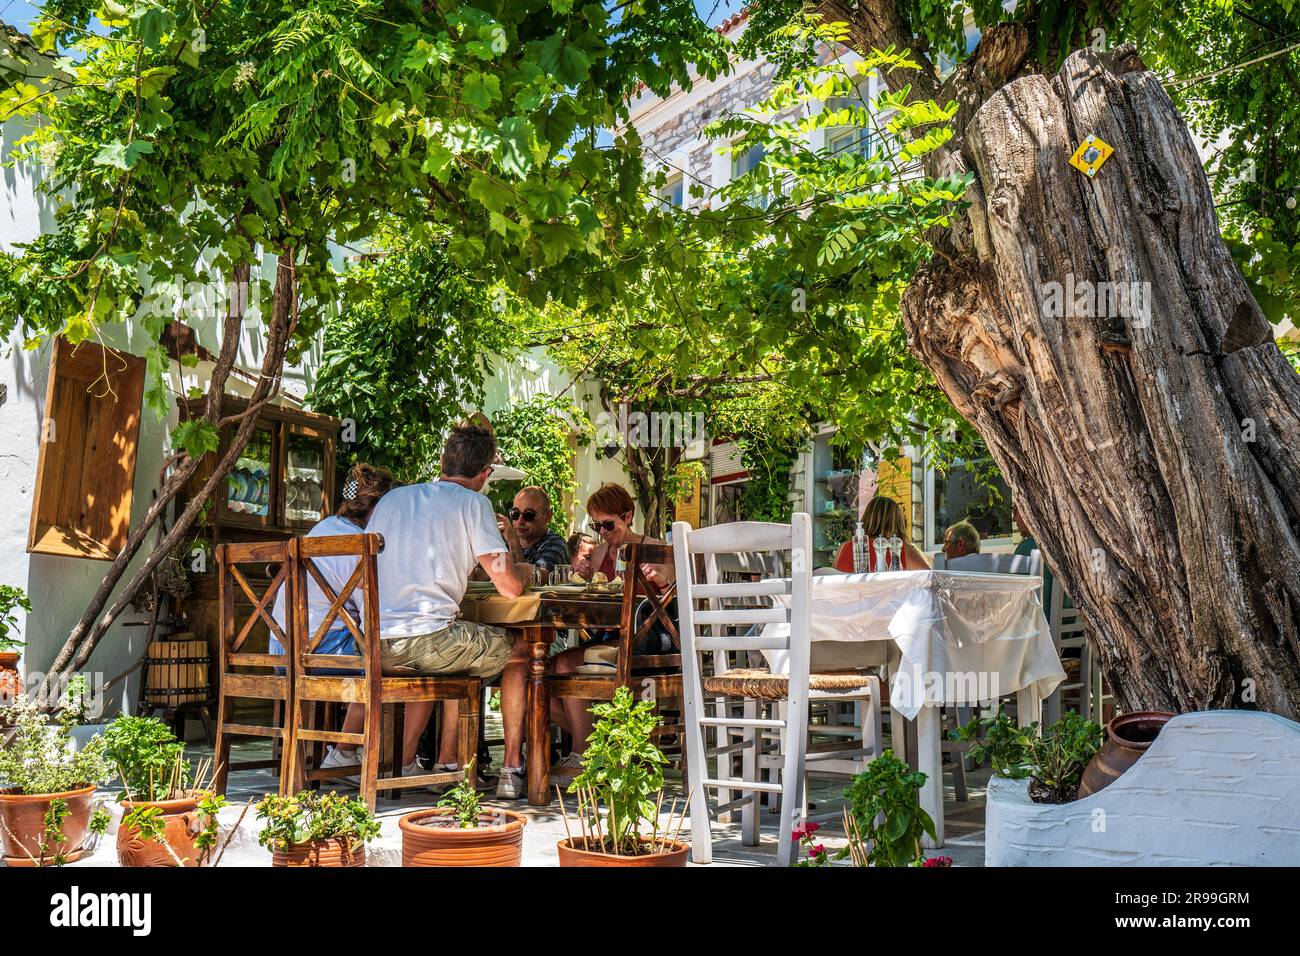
[(850, 140), (673, 192), (744, 162)]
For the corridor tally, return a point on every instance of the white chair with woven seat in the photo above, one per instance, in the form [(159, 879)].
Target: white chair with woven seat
[(713, 683)]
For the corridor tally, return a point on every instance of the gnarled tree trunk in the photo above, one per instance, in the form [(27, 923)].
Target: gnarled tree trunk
[(1152, 437)]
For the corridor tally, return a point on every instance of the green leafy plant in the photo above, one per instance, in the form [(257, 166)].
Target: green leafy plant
[(206, 840), (40, 757), (999, 741), (885, 812), (11, 599), (149, 759), (1059, 756), (1054, 759), (462, 800), (623, 770), (151, 824), (534, 437), (311, 815)]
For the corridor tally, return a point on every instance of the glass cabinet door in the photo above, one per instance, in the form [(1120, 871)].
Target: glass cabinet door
[(248, 485), (305, 468)]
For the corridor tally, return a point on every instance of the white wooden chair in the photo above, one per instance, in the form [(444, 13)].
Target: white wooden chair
[(708, 635), (991, 563)]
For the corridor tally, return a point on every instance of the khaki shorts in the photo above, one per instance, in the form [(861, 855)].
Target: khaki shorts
[(462, 647)]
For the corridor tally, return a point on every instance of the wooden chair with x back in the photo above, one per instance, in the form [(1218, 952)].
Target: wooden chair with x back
[(368, 686), (251, 675), (659, 674)]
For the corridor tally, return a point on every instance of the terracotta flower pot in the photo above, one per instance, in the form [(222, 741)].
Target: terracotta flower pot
[(572, 854), (24, 826), (1127, 738), (11, 682), (488, 844), (181, 824), (331, 852)]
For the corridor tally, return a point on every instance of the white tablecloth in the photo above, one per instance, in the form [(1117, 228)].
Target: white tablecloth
[(963, 637)]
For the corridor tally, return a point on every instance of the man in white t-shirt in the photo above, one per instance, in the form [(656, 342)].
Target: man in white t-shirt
[(435, 534)]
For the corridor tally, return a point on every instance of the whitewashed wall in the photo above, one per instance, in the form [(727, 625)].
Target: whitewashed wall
[(1216, 788)]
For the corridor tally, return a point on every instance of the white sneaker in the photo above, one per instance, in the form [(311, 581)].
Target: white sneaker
[(336, 758), (569, 762), (511, 784)]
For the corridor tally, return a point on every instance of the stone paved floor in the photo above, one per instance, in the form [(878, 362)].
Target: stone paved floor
[(964, 821)]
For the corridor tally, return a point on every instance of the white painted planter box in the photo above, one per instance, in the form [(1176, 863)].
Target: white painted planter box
[(1217, 788)]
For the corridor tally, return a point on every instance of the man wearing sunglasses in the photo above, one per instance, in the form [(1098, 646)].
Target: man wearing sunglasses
[(530, 518)]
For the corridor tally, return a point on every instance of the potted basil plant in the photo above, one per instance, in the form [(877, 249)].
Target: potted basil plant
[(459, 832), (620, 793)]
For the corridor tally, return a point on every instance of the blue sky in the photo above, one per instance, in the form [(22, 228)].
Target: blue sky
[(20, 13), (17, 13)]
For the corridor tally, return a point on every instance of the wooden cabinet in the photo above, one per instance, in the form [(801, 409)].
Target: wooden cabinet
[(283, 481)]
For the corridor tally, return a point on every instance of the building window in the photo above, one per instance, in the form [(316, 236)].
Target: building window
[(746, 162), (850, 141), (960, 495), (673, 192)]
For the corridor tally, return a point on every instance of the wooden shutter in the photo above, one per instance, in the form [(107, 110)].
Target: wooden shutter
[(86, 468)]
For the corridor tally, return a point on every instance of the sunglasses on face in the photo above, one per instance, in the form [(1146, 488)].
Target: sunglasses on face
[(608, 525), (528, 514)]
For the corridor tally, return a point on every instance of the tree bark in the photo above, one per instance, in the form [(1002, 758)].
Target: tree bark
[(95, 621), (1153, 444)]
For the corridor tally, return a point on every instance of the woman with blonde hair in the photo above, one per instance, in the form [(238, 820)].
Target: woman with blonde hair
[(883, 518)]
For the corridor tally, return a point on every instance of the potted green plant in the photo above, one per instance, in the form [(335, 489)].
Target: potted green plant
[(1054, 759), (620, 790), (459, 832), (884, 819), (47, 805), (169, 816), (11, 682), (315, 829)]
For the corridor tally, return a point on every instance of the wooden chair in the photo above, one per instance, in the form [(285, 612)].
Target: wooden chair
[(650, 675), (248, 675), (370, 688), (723, 609)]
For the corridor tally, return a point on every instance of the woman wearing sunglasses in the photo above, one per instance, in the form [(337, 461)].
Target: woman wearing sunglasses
[(610, 511)]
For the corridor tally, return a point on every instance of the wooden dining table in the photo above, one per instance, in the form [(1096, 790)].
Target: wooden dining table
[(582, 611)]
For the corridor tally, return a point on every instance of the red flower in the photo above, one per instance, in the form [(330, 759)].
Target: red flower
[(812, 827), (798, 834), (938, 861), (818, 850)]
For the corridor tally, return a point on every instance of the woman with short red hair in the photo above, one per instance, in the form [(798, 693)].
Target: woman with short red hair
[(610, 511)]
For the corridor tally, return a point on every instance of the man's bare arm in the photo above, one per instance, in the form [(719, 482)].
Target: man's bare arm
[(511, 578)]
